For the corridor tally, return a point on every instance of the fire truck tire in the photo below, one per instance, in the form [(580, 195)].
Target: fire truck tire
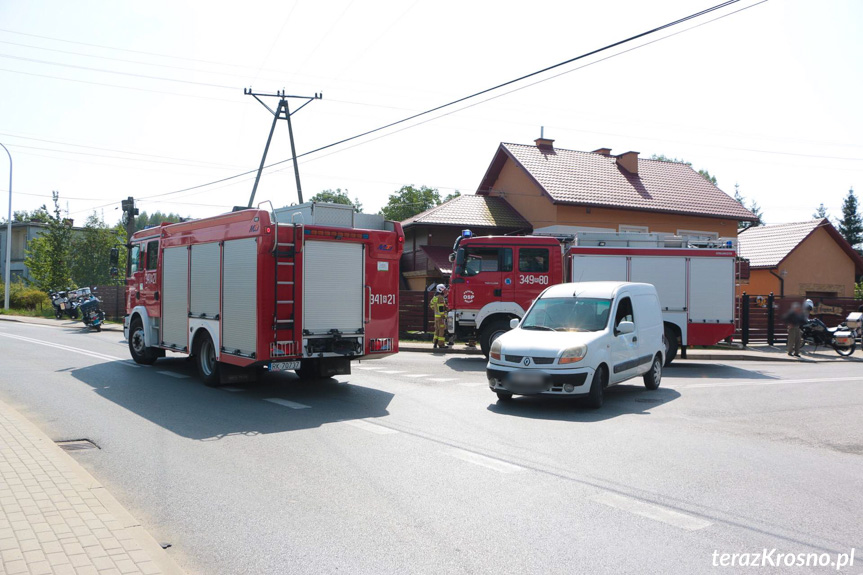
[(205, 360), (490, 332), (671, 345), (139, 350)]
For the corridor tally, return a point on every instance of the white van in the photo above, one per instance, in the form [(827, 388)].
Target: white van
[(579, 338)]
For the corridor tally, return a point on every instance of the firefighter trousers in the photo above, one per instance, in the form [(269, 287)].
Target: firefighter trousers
[(439, 329)]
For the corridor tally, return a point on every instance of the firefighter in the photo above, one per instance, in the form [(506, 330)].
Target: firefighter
[(439, 308)]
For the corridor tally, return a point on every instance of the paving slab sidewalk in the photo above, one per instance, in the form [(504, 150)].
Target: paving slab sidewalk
[(57, 519)]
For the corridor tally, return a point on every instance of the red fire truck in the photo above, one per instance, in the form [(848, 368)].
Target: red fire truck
[(306, 288), (495, 279)]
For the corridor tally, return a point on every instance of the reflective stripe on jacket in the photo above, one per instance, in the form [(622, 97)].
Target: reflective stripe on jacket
[(438, 305)]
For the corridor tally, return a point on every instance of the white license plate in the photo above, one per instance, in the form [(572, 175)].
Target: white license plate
[(526, 377), (284, 365)]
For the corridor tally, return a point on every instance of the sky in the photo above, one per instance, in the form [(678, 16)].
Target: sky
[(100, 100)]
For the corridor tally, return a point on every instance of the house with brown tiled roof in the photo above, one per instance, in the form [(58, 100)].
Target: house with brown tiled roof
[(808, 259), (560, 190), (430, 235)]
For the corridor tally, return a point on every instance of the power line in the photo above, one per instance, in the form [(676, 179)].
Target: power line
[(475, 94)]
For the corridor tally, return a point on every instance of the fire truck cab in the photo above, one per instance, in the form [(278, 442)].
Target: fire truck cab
[(302, 288), (495, 279)]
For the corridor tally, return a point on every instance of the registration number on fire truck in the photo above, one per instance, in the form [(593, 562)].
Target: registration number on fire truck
[(533, 280), (284, 365)]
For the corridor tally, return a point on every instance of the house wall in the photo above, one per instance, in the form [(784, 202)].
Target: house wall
[(816, 265), (527, 197)]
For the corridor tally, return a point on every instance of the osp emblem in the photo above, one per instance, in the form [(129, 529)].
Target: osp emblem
[(526, 361), (468, 296)]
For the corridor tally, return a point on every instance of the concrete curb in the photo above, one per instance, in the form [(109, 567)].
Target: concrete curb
[(57, 323), (152, 547)]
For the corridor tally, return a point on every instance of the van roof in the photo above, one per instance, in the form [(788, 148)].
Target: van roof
[(607, 290)]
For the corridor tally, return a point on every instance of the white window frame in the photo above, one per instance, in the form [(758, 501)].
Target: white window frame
[(624, 228), (701, 235)]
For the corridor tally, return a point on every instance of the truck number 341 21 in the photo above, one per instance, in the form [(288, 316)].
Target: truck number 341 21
[(533, 280), (383, 298)]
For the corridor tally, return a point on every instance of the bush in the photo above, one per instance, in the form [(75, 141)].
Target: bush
[(23, 297)]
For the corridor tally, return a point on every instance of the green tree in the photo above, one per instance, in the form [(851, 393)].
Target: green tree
[(704, 173), (143, 220), (452, 196), (820, 213), (337, 196), (38, 215), (409, 201), (851, 223), (48, 255), (91, 249), (753, 207)]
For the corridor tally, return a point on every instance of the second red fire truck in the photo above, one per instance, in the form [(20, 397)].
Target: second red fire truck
[(495, 279), (306, 288)]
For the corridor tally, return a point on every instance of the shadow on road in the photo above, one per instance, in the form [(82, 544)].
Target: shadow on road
[(619, 400), (187, 407), (468, 364), (699, 369)]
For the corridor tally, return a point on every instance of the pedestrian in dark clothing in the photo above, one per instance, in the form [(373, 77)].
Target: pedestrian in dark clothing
[(794, 318)]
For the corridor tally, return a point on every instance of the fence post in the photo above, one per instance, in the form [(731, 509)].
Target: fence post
[(771, 317), (744, 319)]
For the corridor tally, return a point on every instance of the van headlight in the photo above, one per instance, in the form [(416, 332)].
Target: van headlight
[(494, 352), (573, 354)]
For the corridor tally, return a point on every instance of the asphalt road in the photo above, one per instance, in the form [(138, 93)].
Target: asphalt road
[(411, 466)]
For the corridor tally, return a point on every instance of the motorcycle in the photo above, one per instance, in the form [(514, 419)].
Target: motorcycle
[(63, 303), (91, 312), (839, 338)]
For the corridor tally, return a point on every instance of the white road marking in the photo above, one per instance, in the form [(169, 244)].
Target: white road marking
[(286, 403), (413, 375), (77, 350), (233, 389), (369, 426), (651, 511), (391, 372), (483, 461), (174, 374), (769, 382), (369, 367), (443, 379), (473, 383)]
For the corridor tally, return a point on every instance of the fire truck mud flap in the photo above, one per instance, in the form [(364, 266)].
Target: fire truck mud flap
[(321, 368)]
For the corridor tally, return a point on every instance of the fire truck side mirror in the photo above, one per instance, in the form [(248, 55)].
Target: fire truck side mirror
[(114, 258)]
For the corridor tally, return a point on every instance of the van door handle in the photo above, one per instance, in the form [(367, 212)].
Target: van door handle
[(634, 338)]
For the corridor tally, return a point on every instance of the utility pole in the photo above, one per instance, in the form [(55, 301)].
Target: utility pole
[(282, 112), (8, 271)]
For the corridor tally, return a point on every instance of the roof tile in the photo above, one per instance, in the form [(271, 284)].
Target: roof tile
[(766, 246), (470, 210), (576, 177)]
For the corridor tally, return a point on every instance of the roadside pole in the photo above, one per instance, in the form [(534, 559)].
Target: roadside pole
[(8, 274)]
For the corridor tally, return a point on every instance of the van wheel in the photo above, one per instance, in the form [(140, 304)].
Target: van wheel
[(205, 360), (503, 396), (671, 345), (491, 332), (596, 393), (137, 345), (654, 375)]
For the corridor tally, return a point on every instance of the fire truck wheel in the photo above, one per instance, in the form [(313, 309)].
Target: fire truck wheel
[(670, 345), (654, 376), (205, 360), (139, 350), (490, 332), (596, 393)]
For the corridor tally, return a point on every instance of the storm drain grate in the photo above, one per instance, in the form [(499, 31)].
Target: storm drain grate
[(77, 444)]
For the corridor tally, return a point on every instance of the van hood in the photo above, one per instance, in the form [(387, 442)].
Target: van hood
[(536, 343)]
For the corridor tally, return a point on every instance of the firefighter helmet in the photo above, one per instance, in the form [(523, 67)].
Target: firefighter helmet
[(440, 288)]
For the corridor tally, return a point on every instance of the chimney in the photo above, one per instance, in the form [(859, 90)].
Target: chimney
[(543, 143), (628, 161), (602, 152)]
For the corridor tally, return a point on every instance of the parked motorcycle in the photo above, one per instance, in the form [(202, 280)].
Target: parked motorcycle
[(817, 333), (91, 311), (64, 304)]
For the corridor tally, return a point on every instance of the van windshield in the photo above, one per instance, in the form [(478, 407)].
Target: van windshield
[(568, 314)]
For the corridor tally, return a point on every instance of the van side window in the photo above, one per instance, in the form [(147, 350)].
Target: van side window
[(152, 254), (134, 255), (624, 312), (533, 260)]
